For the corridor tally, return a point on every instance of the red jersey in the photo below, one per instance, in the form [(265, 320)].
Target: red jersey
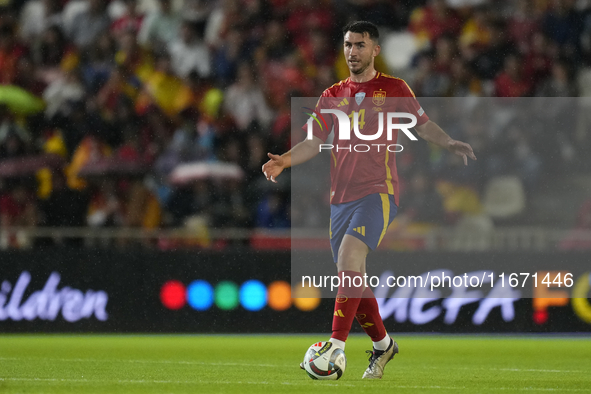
[(356, 174)]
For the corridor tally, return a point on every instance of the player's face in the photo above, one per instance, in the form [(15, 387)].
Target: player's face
[(360, 51)]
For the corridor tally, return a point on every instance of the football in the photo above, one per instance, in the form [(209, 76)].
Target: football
[(325, 361)]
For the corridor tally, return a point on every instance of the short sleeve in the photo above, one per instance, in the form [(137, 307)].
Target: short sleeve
[(322, 123), (412, 106)]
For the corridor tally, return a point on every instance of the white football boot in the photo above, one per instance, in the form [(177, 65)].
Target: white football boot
[(378, 360)]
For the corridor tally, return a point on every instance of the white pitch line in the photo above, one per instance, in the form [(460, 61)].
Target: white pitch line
[(536, 370), (132, 381), (139, 361), (182, 362), (509, 369), (537, 389), (40, 380)]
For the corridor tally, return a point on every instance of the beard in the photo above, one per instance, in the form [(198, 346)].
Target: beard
[(360, 67)]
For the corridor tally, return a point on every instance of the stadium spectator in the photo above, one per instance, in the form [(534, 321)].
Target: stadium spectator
[(523, 24), (306, 16), (27, 78), (183, 81), (189, 143), (189, 52), (317, 53), (18, 208), (131, 21), (161, 27), (428, 82), (476, 34), (10, 51), (537, 61), (563, 24), (89, 24), (511, 83), (90, 150), (190, 200), (160, 87), (141, 209), (61, 93), (204, 97), (463, 82), (245, 101), (490, 58), (445, 53), (39, 15), (105, 208), (64, 207), (227, 56), (271, 212), (430, 22), (15, 140), (99, 62), (51, 48), (422, 202), (276, 44), (559, 83), (229, 210), (381, 12)]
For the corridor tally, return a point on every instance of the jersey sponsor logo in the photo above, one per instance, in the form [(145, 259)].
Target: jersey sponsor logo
[(359, 97), (343, 102), (360, 230), (342, 298), (379, 97)]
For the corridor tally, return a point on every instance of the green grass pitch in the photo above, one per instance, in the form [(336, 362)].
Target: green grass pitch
[(269, 364)]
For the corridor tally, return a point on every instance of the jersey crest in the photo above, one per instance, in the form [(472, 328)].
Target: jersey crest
[(359, 97), (379, 97)]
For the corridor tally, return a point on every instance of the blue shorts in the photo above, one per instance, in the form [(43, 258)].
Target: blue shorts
[(367, 219)]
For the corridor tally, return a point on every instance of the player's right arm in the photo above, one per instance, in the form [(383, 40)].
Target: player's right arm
[(299, 154)]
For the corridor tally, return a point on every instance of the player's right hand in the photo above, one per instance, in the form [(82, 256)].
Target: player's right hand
[(273, 167)]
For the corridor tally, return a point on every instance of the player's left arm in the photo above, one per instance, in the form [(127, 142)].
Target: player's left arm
[(431, 132)]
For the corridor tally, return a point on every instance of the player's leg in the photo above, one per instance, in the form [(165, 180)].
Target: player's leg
[(369, 224), (368, 316), (350, 266), (384, 347), (340, 219)]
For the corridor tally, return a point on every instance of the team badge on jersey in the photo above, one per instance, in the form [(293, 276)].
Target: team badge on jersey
[(379, 97), (359, 97)]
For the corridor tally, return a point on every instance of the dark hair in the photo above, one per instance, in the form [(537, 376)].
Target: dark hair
[(363, 27)]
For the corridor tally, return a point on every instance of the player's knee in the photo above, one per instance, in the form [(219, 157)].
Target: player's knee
[(351, 255), (348, 265)]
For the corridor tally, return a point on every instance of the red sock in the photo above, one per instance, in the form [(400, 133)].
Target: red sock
[(346, 303), (368, 315)]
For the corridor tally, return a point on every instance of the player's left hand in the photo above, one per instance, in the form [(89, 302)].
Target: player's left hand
[(461, 149), (273, 167)]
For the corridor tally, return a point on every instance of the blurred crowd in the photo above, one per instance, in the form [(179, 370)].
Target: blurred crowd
[(147, 85)]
